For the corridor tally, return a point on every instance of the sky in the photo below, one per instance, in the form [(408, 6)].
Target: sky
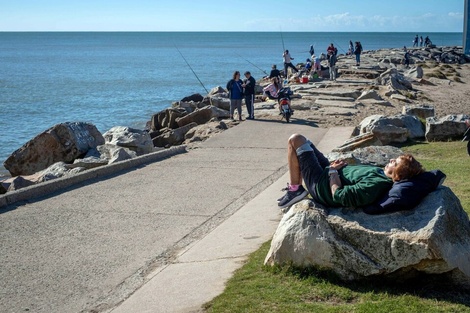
[(240, 15)]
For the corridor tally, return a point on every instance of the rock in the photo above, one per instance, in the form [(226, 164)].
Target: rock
[(121, 154), (447, 128), (62, 142), (216, 90), (220, 102), (58, 170), (398, 128), (166, 118), (89, 162), (394, 79), (359, 141), (433, 238), (194, 97), (136, 140), (369, 94), (415, 72), (421, 111), (18, 182), (202, 132), (372, 155), (202, 116), (173, 137)]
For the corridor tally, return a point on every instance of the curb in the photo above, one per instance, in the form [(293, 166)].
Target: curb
[(51, 186)]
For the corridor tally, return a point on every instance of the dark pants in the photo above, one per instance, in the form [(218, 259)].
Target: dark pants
[(287, 65), (312, 165), (249, 102)]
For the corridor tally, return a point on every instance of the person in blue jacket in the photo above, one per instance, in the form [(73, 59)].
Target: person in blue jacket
[(235, 90)]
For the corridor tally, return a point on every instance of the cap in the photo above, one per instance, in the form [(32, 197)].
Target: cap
[(247, 73)]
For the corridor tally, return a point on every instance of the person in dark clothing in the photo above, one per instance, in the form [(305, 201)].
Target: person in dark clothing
[(357, 52), (312, 50), (274, 72), (249, 85), (338, 184)]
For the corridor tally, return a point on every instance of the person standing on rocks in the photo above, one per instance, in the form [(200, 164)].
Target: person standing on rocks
[(274, 72), (420, 41), (351, 48), (357, 52), (312, 50), (288, 63), (415, 41), (249, 85), (331, 49), (332, 66), (235, 90)]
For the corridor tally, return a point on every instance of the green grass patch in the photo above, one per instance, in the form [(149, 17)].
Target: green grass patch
[(259, 288)]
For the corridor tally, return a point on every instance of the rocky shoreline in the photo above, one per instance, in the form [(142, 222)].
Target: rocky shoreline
[(433, 90)]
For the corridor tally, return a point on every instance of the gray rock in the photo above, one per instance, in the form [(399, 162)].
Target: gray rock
[(450, 127), (433, 238), (121, 154), (173, 137), (202, 132), (420, 111), (220, 102), (372, 155), (62, 142), (415, 72), (166, 118), (202, 116), (369, 94), (136, 140), (398, 128)]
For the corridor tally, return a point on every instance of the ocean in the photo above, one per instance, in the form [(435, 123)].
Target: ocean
[(122, 78)]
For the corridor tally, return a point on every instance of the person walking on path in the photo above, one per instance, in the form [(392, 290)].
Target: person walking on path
[(357, 52), (235, 90), (288, 63), (332, 66), (249, 85)]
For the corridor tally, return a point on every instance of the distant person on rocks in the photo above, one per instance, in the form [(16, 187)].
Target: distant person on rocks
[(351, 48), (332, 66), (357, 53), (235, 90), (274, 72), (406, 58), (316, 64), (338, 184), (312, 50), (427, 41), (271, 91), (420, 41), (415, 41), (288, 63), (331, 49), (249, 84)]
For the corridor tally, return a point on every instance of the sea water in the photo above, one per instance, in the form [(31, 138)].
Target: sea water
[(122, 78)]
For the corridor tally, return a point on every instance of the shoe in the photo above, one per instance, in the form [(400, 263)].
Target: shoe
[(283, 189), (292, 197)]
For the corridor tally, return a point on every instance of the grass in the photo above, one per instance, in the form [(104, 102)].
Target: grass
[(259, 288)]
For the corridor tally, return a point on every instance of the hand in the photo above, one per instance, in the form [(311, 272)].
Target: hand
[(338, 164)]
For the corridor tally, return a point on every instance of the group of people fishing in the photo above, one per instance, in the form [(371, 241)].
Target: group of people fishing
[(245, 89)]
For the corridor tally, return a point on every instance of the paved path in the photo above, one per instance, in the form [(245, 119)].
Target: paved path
[(160, 237)]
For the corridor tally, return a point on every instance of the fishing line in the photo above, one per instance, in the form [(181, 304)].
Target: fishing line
[(253, 64), (191, 69)]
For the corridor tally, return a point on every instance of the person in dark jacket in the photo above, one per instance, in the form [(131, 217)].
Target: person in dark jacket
[(274, 72), (338, 184), (357, 52), (249, 85)]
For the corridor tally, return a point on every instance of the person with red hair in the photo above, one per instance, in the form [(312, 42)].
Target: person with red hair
[(337, 184)]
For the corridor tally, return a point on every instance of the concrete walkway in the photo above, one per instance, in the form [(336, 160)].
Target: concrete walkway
[(158, 237)]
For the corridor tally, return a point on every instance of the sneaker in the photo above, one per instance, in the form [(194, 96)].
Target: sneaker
[(283, 189), (292, 197)]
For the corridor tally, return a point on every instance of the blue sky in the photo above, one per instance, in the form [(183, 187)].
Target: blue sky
[(241, 15)]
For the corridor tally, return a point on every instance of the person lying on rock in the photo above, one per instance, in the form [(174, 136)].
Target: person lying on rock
[(338, 184)]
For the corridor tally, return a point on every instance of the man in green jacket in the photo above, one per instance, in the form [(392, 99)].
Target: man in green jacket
[(334, 184)]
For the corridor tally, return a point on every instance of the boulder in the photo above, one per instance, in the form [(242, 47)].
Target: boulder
[(58, 170), (194, 97), (359, 141), (421, 111), (370, 94), (433, 238), (202, 132), (373, 155), (173, 137), (393, 129), (447, 128), (220, 102), (166, 118), (202, 116), (136, 140), (121, 154), (62, 142), (415, 72), (216, 90)]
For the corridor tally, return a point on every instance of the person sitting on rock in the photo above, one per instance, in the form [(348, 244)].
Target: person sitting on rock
[(271, 90), (338, 184)]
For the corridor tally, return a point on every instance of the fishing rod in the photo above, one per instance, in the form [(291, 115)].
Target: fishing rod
[(191, 69), (338, 46), (282, 38), (253, 64)]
